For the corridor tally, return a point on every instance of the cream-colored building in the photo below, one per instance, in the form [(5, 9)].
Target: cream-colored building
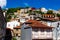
[(17, 31)]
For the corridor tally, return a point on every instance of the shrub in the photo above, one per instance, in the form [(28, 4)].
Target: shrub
[(14, 38)]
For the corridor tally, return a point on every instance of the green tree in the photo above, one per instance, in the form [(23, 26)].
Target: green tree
[(58, 15), (27, 7), (39, 12), (10, 13), (8, 18), (12, 10), (49, 12), (14, 38), (30, 11)]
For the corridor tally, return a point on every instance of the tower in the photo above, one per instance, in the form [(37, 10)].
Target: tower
[(2, 25)]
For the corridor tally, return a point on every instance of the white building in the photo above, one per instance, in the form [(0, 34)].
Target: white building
[(56, 11), (12, 24), (41, 31), (43, 10)]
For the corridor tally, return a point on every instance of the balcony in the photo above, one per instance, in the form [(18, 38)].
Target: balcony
[(42, 35)]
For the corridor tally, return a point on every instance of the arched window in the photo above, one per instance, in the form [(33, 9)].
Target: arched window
[(42, 30), (36, 30), (8, 25)]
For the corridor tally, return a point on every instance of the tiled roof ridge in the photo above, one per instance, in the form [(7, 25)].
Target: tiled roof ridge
[(37, 23), (17, 27)]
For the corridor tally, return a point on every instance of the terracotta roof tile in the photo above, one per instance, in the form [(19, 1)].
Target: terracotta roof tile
[(17, 27), (32, 8), (37, 24), (52, 19), (8, 29), (59, 18)]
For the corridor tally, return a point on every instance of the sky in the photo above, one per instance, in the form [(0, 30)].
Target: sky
[(3, 3), (48, 4)]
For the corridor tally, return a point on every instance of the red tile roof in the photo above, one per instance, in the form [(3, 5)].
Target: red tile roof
[(17, 27), (52, 19), (59, 18), (37, 24), (9, 29), (32, 8)]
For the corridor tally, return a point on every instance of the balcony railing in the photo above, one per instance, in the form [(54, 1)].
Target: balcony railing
[(42, 35)]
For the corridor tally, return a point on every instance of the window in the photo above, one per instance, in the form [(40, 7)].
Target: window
[(30, 17), (49, 30), (14, 25), (8, 24), (48, 16), (44, 16), (26, 18), (16, 29), (53, 16), (16, 34), (36, 30), (18, 20), (42, 30)]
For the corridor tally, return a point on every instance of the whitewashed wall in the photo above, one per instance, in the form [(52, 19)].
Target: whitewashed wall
[(12, 24)]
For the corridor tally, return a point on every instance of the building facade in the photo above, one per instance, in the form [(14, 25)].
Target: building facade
[(41, 31)]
